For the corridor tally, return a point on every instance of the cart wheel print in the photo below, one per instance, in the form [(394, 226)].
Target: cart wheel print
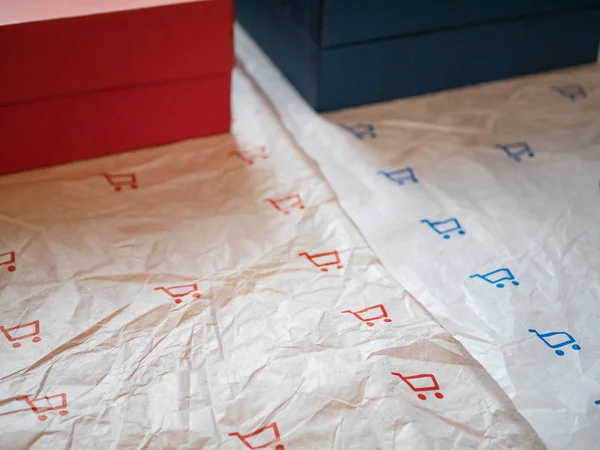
[(35, 339), (8, 259), (22, 331), (437, 394)]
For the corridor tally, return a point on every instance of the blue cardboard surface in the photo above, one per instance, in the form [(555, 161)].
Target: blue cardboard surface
[(304, 38), (282, 29), (407, 66), (353, 21)]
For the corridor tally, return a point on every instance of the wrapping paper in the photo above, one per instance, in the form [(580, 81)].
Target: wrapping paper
[(484, 203), (213, 295)]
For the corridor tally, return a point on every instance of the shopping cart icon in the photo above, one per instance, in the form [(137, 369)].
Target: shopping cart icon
[(572, 91), (261, 438), (287, 204), (497, 276), (360, 130), (565, 339), (370, 314), (445, 227), (400, 176), (425, 382), (8, 259), (44, 404), (178, 292), (322, 260), (250, 156), (516, 150), (120, 181), (23, 331)]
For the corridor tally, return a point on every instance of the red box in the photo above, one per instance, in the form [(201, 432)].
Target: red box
[(81, 79)]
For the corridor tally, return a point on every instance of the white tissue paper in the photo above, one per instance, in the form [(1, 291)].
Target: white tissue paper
[(484, 203)]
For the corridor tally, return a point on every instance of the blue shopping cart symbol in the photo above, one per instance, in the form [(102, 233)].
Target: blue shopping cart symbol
[(565, 339), (400, 176), (572, 91), (516, 150), (445, 227), (360, 130), (497, 277)]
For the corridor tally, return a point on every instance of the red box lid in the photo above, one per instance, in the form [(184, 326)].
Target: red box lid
[(53, 48)]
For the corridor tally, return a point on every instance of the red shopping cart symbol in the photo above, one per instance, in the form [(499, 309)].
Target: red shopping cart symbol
[(370, 314), (178, 292), (422, 383), (23, 331), (261, 438), (286, 204), (322, 260), (44, 404), (8, 259), (250, 156), (119, 181)]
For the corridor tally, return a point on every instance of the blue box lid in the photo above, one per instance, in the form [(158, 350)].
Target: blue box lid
[(346, 22)]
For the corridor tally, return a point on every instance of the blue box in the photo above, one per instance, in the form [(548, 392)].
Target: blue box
[(342, 53)]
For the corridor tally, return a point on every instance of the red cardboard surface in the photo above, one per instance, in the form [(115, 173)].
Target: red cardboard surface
[(65, 129), (119, 49), (83, 79)]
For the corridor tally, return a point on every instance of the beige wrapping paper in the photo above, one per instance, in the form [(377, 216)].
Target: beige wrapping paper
[(213, 295)]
